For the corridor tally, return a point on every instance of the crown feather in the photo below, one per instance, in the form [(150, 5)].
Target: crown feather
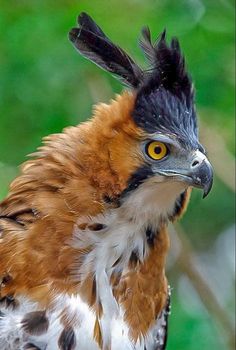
[(167, 65)]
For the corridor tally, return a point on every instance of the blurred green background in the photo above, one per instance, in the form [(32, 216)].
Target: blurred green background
[(46, 85)]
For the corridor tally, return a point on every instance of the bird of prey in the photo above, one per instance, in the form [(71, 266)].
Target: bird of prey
[(83, 230)]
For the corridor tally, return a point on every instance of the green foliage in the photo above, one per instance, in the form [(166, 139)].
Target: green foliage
[(46, 86)]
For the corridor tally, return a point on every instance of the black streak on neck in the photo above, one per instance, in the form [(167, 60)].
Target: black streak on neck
[(114, 201), (137, 179), (151, 235), (179, 205), (134, 259)]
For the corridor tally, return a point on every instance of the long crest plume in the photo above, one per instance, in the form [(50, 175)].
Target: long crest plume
[(92, 43)]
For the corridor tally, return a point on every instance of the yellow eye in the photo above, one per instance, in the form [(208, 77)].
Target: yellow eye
[(156, 150)]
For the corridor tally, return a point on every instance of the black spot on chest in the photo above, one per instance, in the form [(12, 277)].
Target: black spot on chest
[(6, 279), (94, 289), (117, 261), (67, 339), (96, 227), (31, 346), (35, 323)]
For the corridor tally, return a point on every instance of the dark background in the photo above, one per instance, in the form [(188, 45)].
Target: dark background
[(45, 86)]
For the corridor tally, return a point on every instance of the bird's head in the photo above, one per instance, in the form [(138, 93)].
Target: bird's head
[(158, 131)]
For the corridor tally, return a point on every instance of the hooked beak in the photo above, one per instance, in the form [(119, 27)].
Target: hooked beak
[(199, 174), (202, 176)]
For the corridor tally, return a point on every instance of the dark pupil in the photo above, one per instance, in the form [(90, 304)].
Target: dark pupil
[(157, 149)]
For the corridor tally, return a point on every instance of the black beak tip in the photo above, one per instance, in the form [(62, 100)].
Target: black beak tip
[(204, 194), (207, 188)]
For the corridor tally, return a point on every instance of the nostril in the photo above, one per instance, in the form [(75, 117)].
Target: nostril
[(195, 163)]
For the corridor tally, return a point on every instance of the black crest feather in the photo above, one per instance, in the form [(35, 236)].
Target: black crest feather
[(92, 43), (165, 100), (167, 65)]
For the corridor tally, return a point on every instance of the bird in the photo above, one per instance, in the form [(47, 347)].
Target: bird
[(83, 229)]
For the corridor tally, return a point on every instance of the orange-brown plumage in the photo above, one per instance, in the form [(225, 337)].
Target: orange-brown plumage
[(83, 231), (69, 178)]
